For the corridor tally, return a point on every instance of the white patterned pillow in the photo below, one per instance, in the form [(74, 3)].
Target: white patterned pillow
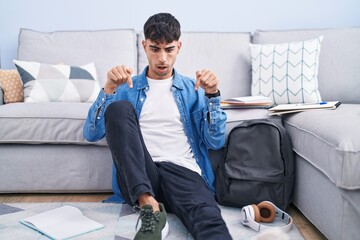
[(286, 72), (58, 83)]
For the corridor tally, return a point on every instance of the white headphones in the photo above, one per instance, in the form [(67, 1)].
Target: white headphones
[(265, 212)]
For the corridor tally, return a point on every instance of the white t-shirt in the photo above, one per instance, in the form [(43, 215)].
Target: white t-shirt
[(162, 129)]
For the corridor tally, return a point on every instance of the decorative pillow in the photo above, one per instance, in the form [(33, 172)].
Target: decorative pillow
[(11, 84), (58, 83), (286, 72)]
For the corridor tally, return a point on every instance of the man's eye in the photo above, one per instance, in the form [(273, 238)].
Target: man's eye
[(169, 50), (154, 49)]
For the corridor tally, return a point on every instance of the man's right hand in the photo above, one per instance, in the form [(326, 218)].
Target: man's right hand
[(116, 77)]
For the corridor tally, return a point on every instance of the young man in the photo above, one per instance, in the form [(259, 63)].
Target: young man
[(159, 126)]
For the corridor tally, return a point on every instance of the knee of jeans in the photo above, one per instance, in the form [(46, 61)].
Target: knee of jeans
[(118, 108), (208, 211)]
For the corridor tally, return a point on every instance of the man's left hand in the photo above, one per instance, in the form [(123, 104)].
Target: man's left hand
[(207, 80)]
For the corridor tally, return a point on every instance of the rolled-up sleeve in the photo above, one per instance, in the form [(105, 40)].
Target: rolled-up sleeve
[(215, 123)]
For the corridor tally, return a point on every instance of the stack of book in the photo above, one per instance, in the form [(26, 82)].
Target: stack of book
[(247, 102)]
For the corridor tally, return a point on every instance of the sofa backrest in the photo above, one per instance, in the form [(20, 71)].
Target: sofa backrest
[(226, 54), (339, 63), (106, 48)]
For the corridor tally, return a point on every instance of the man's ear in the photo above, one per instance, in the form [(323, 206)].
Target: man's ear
[(179, 45), (143, 42)]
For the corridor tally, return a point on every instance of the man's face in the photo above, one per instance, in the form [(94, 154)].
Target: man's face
[(161, 58)]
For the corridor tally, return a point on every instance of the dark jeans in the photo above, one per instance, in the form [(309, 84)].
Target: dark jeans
[(181, 190)]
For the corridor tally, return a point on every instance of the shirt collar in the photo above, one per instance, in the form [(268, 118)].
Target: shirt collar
[(143, 83)]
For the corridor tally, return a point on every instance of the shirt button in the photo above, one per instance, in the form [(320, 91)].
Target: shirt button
[(210, 104), (103, 99), (141, 99)]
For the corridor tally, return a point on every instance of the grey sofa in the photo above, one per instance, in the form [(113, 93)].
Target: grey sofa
[(42, 148)]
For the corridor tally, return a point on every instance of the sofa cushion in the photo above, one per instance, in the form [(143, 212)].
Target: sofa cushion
[(58, 83), (286, 72), (12, 86), (226, 54), (37, 123), (330, 141), (339, 63), (106, 48), (62, 123)]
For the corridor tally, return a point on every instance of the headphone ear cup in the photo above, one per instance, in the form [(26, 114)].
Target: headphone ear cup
[(266, 211), (257, 216)]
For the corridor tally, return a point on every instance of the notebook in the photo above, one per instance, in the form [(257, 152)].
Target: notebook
[(299, 107), (61, 223)]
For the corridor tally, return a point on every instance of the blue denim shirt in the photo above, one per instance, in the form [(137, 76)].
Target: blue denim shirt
[(204, 131)]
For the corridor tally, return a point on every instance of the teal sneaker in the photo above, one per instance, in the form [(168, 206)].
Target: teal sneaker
[(153, 224)]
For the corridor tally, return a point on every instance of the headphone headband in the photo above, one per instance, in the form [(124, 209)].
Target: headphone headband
[(248, 218)]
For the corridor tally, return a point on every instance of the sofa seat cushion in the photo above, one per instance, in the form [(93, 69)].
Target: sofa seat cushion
[(50, 123), (330, 141), (62, 122)]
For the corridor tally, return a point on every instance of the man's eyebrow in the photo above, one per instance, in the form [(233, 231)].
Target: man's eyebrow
[(153, 46), (167, 48)]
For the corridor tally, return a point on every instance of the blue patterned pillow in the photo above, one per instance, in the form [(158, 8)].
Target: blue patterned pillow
[(286, 72), (58, 83)]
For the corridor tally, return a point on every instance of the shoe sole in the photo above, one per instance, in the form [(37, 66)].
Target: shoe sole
[(165, 231)]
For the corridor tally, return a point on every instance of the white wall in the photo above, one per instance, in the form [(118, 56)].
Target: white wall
[(194, 15)]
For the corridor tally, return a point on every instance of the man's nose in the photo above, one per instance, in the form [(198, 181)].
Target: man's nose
[(162, 57)]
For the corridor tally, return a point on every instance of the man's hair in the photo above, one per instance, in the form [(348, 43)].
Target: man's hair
[(162, 28)]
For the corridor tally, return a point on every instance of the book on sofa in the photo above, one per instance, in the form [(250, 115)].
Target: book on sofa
[(247, 102), (299, 107), (62, 223)]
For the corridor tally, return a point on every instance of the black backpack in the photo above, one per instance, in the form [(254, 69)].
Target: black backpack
[(257, 165)]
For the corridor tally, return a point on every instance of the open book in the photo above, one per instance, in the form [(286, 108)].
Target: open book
[(299, 107), (62, 223), (247, 102)]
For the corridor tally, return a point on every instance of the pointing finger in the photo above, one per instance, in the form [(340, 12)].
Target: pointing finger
[(128, 72), (198, 76)]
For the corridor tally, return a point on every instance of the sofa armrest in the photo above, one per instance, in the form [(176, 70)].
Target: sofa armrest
[(1, 96)]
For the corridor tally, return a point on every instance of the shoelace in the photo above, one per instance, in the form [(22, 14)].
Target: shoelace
[(148, 218)]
